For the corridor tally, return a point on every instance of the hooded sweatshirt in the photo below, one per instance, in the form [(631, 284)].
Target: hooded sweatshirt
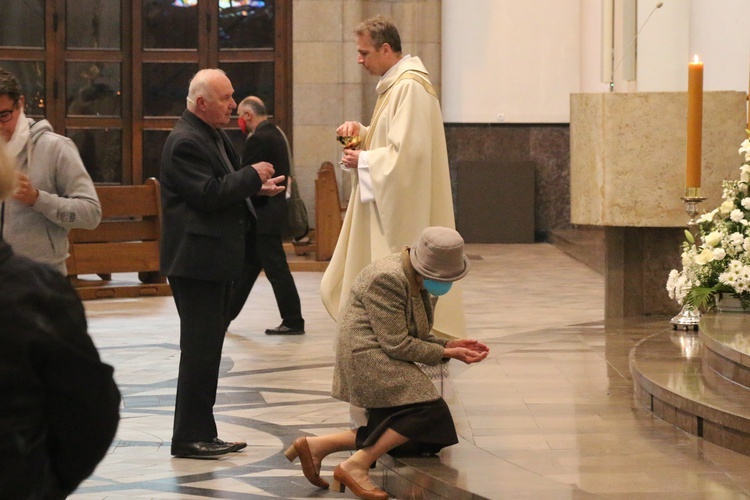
[(67, 198)]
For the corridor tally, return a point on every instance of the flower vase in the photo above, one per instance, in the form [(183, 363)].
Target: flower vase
[(730, 304)]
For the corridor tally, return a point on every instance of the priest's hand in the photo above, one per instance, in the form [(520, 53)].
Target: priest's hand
[(350, 158), (348, 129)]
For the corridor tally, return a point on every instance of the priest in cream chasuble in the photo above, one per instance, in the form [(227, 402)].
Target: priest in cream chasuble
[(400, 178)]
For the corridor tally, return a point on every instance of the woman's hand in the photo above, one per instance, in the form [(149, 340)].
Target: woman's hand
[(472, 344), (466, 350)]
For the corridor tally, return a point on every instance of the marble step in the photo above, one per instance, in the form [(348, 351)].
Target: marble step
[(726, 345), (675, 382), (463, 472)]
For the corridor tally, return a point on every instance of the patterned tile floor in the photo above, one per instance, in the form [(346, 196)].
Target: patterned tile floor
[(550, 414)]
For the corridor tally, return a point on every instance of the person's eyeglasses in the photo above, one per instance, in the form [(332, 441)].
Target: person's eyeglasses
[(7, 114)]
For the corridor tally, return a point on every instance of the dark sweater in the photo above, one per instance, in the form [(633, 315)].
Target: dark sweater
[(59, 405)]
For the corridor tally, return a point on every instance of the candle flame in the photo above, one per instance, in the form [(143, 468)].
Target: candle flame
[(695, 58)]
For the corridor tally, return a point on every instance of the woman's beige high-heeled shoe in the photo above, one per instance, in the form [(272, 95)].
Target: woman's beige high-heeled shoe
[(342, 480), (301, 449)]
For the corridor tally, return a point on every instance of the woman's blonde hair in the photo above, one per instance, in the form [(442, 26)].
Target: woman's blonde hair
[(7, 172)]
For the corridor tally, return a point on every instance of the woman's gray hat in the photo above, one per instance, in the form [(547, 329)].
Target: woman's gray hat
[(439, 255)]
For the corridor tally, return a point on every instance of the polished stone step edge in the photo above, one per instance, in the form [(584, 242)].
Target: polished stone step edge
[(705, 404), (424, 477), (731, 363)]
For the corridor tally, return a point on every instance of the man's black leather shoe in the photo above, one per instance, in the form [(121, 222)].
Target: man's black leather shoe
[(284, 330), (201, 449), (236, 445)]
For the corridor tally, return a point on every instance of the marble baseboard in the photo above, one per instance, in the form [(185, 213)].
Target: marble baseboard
[(547, 146)]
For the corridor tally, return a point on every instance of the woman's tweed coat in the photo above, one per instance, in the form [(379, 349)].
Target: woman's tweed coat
[(383, 330)]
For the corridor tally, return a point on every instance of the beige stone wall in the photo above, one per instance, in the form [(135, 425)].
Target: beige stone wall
[(628, 155), (329, 87)]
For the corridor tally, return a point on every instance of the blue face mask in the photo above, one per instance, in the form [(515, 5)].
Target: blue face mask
[(437, 288)]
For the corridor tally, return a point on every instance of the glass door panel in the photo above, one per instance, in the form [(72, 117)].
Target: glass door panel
[(93, 24), (165, 87), (252, 78), (246, 24), (93, 89), (170, 24), (26, 13)]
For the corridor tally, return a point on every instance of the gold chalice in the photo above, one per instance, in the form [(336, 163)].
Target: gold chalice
[(349, 141)]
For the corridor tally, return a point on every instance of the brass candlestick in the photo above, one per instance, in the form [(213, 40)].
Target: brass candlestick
[(691, 199), (689, 316)]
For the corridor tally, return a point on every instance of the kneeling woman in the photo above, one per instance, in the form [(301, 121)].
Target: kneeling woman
[(383, 330)]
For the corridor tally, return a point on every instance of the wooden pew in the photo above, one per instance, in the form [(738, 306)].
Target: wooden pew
[(126, 241), (328, 216), (328, 212)]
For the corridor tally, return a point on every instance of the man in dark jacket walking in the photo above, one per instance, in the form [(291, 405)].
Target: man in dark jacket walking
[(268, 143)]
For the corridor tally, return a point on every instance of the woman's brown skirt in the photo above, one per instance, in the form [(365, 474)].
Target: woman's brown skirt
[(428, 426)]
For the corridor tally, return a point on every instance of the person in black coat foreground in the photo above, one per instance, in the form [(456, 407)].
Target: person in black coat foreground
[(60, 404)]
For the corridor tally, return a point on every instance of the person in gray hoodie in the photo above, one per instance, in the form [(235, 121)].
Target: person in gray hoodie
[(54, 193)]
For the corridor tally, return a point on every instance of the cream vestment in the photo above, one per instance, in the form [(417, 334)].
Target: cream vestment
[(408, 165)]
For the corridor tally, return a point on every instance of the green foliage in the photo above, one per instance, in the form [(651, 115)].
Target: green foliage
[(704, 298)]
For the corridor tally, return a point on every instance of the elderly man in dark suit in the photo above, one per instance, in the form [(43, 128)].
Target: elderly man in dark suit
[(208, 222), (268, 143)]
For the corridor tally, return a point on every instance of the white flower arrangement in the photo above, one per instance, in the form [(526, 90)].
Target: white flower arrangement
[(720, 262)]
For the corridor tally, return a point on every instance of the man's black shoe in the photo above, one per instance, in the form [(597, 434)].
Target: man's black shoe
[(285, 330), (200, 449), (236, 445)]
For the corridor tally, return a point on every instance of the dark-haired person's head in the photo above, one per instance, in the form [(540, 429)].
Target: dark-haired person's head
[(11, 103)]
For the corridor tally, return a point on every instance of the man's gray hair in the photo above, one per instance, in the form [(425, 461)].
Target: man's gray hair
[(200, 87)]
